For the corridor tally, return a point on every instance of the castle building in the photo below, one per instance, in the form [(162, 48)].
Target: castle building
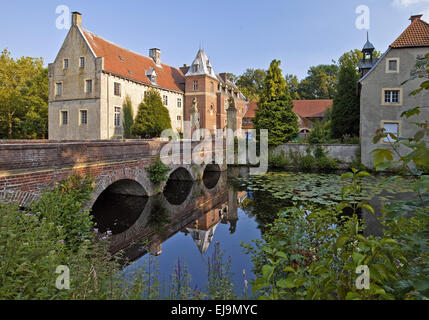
[(91, 78), (384, 92)]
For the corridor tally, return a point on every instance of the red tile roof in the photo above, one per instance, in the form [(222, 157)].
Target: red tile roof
[(253, 106), (133, 66), (416, 35), (311, 108)]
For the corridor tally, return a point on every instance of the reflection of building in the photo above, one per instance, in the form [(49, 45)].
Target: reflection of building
[(202, 231), (204, 228)]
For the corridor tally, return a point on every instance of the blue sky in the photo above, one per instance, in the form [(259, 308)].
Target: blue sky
[(236, 34)]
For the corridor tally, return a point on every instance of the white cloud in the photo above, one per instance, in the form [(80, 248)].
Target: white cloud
[(407, 3)]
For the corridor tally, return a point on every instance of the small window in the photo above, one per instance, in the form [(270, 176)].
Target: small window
[(391, 127), (82, 62), (64, 118), (59, 90), (179, 102), (66, 64), (83, 117), (209, 69), (117, 89), (195, 85), (392, 96), (212, 86), (88, 86), (392, 65), (165, 100), (195, 68), (179, 118), (117, 117)]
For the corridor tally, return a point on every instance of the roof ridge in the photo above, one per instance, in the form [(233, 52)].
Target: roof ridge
[(119, 46)]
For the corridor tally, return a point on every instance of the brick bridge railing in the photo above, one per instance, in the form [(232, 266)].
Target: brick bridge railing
[(27, 168)]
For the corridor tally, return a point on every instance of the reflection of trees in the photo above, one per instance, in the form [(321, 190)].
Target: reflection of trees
[(264, 208), (159, 217)]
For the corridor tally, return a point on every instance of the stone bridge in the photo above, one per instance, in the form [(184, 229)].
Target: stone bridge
[(27, 168)]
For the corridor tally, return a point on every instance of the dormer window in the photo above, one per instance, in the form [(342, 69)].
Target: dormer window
[(209, 69), (195, 68), (151, 74)]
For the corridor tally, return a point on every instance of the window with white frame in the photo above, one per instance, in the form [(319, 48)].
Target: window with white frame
[(392, 96), (391, 127), (117, 117), (83, 117), (64, 118), (59, 88), (179, 102), (88, 86), (165, 100), (66, 64), (195, 85)]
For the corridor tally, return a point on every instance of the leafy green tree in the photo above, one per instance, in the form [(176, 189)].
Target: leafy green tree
[(23, 97), (293, 84), (128, 117), (275, 108), (152, 117), (346, 108), (251, 83), (320, 82)]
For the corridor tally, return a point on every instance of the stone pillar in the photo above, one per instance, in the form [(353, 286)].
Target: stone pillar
[(231, 115)]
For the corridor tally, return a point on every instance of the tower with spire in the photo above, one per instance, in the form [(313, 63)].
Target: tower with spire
[(368, 60)]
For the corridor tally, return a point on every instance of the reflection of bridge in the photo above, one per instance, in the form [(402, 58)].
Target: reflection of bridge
[(198, 215), (29, 167)]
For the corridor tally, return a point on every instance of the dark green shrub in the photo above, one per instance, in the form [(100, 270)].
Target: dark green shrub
[(319, 133), (158, 172), (278, 161), (308, 163), (326, 164)]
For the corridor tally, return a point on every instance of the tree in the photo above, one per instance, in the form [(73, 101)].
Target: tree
[(293, 85), (23, 97), (128, 117), (320, 82), (152, 117), (251, 83), (275, 108), (346, 108)]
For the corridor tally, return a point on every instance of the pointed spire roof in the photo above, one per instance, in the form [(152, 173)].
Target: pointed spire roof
[(368, 45), (416, 35), (201, 66)]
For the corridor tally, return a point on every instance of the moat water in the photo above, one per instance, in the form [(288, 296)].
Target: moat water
[(190, 220)]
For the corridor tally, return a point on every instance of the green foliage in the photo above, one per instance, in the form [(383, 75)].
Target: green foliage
[(320, 133), (275, 109), (34, 243), (23, 98), (346, 109), (251, 83), (277, 161), (128, 118), (320, 83), (152, 117), (158, 172), (308, 163)]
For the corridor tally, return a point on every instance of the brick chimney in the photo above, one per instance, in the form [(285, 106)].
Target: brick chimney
[(416, 17), (155, 54), (77, 19)]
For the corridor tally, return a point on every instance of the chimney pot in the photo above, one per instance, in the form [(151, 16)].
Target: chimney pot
[(155, 54), (416, 17), (77, 19)]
